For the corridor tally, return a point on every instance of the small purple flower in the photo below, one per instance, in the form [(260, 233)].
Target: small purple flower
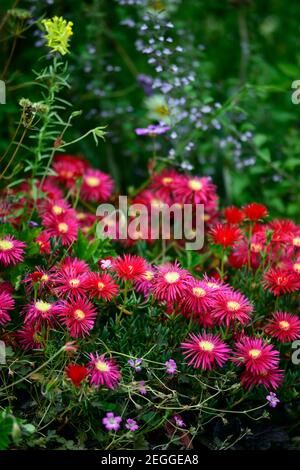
[(111, 422), (105, 263), (33, 224), (142, 388), (179, 422), (171, 366), (131, 425), (152, 130), (135, 364), (272, 399), (146, 83)]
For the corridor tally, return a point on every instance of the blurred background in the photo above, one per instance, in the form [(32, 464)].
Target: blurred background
[(218, 73)]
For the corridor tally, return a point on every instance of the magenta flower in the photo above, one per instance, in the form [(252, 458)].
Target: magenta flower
[(131, 425), (103, 371), (171, 366), (111, 422), (11, 250), (272, 399), (179, 421), (205, 351)]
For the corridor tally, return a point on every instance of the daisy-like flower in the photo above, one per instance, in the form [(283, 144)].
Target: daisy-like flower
[(76, 373), (112, 422), (171, 366), (11, 250), (269, 378), (195, 190), (197, 298), (272, 399), (103, 371), (64, 226), (96, 186), (70, 283), (256, 355), (144, 284), (78, 315), (74, 266), (225, 235), (164, 183), (284, 326), (101, 286), (29, 337), (38, 279), (280, 281), (68, 169), (170, 282), (229, 306), (6, 303), (130, 267), (234, 215), (255, 212), (40, 311), (131, 425), (205, 351), (55, 207)]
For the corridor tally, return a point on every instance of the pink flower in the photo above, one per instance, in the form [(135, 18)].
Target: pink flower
[(40, 312), (96, 186), (6, 303), (103, 371), (112, 422), (284, 326), (229, 307), (269, 378), (197, 298), (64, 226), (205, 351), (29, 337), (11, 250), (78, 315), (131, 425), (256, 355), (170, 282), (69, 282)]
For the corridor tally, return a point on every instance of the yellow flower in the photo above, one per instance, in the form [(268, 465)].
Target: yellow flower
[(58, 33)]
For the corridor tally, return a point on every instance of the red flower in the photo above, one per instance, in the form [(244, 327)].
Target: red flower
[(280, 281), (102, 286), (284, 326), (76, 373), (205, 350), (234, 215), (256, 355), (255, 212), (225, 235), (130, 267), (43, 240)]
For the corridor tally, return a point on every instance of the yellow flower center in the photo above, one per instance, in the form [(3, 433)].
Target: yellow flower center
[(284, 325), (74, 282), (102, 366), (206, 346), (57, 210), (63, 227), (212, 285), (148, 275), (80, 216), (233, 306), (101, 285), (157, 203), (79, 314), (254, 353), (44, 277), (92, 181), (296, 241), (199, 292), (167, 180), (172, 277), (256, 247), (42, 306), (6, 245), (195, 185), (297, 267)]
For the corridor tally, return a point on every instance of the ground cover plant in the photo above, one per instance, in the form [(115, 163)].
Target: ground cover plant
[(113, 337)]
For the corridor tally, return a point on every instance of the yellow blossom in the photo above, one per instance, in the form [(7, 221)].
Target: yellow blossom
[(58, 33)]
